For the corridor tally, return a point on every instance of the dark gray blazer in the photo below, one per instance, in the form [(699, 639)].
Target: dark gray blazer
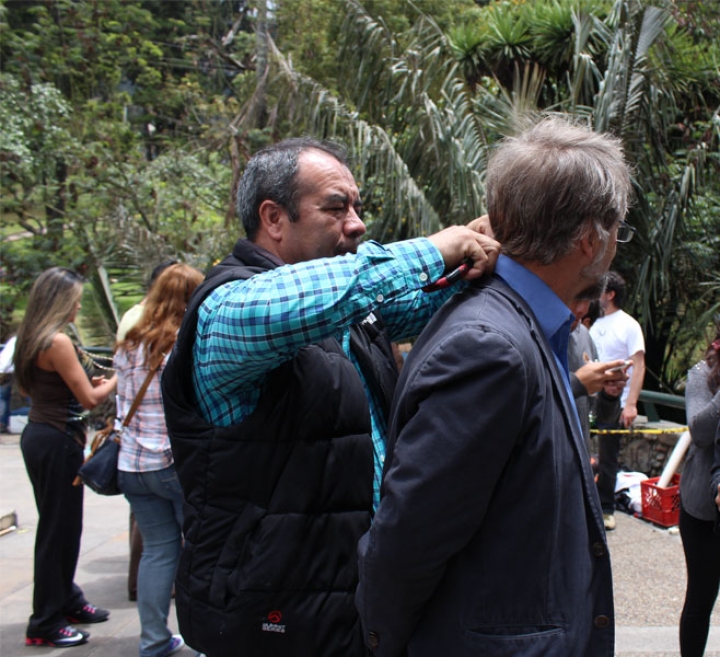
[(489, 539)]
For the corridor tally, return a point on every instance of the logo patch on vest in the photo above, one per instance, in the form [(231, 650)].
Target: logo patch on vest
[(274, 623)]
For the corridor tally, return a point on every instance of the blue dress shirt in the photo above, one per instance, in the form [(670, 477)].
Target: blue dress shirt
[(553, 316)]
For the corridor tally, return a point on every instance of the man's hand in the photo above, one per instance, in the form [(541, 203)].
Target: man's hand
[(458, 243), (613, 388), (717, 498), (594, 375), (637, 377), (628, 415), (482, 225)]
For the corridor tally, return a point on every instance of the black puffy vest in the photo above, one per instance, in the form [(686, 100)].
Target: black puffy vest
[(275, 505)]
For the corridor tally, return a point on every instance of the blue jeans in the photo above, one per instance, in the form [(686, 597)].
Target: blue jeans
[(156, 499), (5, 397)]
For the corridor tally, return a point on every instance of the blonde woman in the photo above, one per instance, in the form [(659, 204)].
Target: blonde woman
[(48, 369), (146, 471)]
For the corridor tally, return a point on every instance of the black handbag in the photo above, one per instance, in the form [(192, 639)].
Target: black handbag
[(99, 471)]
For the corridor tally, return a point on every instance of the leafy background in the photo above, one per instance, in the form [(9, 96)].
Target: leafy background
[(126, 125)]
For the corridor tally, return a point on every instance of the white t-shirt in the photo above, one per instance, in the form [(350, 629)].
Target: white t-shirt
[(618, 336), (6, 356), (129, 319)]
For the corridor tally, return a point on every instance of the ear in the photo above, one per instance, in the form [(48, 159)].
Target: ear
[(273, 218), (588, 244)]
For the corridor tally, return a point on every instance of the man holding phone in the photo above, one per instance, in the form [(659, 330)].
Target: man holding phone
[(589, 377), (617, 335)]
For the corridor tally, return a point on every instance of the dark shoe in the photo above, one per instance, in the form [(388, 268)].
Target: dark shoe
[(65, 637), (132, 596), (88, 614)]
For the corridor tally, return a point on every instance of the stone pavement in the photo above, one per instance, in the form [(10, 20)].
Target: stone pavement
[(648, 567)]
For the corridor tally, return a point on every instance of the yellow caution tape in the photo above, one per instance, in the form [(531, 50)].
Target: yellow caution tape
[(641, 431)]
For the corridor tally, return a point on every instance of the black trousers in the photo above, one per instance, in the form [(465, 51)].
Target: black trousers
[(52, 459), (702, 558), (608, 456)]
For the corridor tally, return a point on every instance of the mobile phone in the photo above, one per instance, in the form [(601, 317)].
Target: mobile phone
[(622, 367)]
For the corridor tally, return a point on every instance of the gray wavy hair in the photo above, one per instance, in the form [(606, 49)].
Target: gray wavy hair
[(551, 185)]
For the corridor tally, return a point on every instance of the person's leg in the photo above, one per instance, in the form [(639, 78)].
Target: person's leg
[(136, 548), (5, 400), (609, 451), (702, 558), (154, 497), (52, 460)]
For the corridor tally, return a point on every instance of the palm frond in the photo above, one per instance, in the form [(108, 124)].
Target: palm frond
[(381, 171), (584, 74), (366, 45), (420, 149), (506, 113)]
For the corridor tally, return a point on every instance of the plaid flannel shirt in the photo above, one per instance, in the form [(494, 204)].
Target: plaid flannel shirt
[(248, 328), (145, 445)]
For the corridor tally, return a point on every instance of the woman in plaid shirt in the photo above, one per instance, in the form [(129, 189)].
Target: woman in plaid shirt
[(146, 472)]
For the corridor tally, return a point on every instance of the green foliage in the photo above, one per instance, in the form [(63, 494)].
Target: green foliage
[(307, 32), (33, 143), (648, 74), (128, 122), (92, 183), (689, 68), (674, 169)]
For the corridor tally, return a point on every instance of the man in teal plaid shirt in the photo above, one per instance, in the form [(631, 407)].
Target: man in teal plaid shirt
[(284, 364)]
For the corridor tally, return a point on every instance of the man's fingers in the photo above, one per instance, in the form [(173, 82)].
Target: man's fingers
[(482, 225), (458, 243), (615, 370), (484, 256)]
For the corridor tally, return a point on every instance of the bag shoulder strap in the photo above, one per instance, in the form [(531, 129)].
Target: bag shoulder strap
[(141, 393), (107, 433)]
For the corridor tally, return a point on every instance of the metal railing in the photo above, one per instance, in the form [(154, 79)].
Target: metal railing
[(651, 400)]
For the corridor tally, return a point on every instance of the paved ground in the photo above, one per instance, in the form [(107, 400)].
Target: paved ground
[(647, 561)]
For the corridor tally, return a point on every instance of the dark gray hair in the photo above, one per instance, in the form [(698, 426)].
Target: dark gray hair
[(271, 174), (616, 283), (552, 183)]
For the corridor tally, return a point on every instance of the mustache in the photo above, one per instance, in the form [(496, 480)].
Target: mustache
[(350, 246)]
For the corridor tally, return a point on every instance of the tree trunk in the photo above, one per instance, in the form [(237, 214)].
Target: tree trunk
[(55, 212), (261, 66)]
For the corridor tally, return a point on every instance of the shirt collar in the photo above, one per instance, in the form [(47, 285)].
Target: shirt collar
[(553, 316), (244, 246)]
